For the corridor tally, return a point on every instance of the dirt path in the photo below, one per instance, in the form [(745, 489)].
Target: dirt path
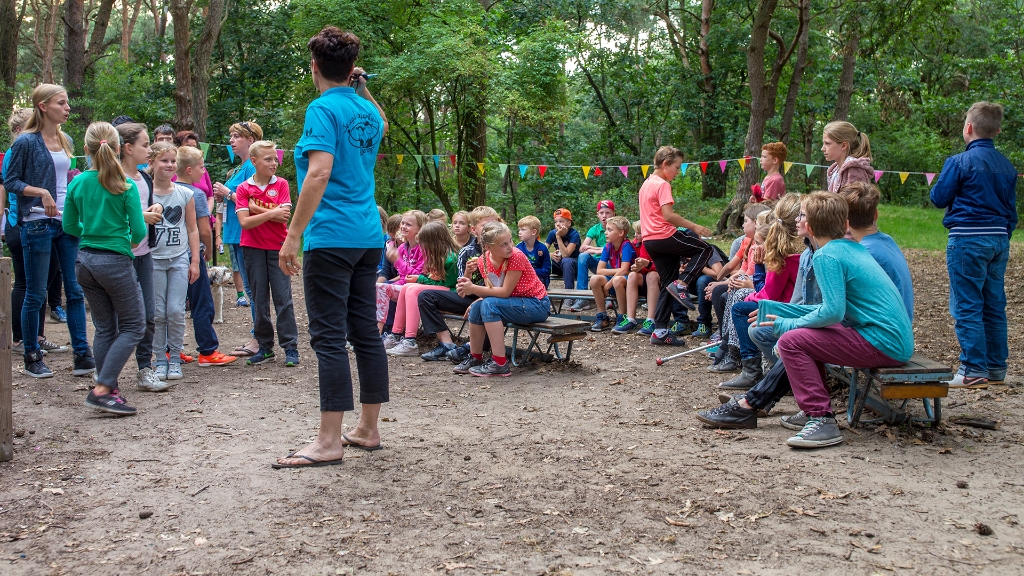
[(594, 467)]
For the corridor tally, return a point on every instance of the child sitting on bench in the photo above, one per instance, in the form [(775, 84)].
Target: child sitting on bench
[(612, 271)]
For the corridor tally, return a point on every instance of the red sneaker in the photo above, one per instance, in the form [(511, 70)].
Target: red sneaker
[(215, 359), (185, 358)]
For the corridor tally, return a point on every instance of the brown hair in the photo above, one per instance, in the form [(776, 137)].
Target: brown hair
[(129, 133), (437, 245), (492, 231), (986, 118), (826, 214), (840, 131), (334, 52), (180, 137), (666, 154), (437, 215), (863, 199), (40, 95), (752, 210), (247, 129), (777, 149), (383, 217), (620, 222), (782, 239), (394, 221), (100, 143)]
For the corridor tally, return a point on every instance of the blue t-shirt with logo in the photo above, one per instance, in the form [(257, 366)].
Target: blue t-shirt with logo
[(348, 126), (231, 230), (613, 258)]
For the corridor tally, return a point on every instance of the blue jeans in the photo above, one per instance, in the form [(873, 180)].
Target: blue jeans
[(568, 266), (583, 263), (703, 304), (200, 300), (977, 301), (238, 259), (740, 314), (765, 340), (515, 310), (38, 239)]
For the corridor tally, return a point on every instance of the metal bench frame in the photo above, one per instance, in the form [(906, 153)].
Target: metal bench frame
[(568, 333), (882, 385)]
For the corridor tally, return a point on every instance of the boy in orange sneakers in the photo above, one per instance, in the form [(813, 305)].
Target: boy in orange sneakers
[(191, 169)]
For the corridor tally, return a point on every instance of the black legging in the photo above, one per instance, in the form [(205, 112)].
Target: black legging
[(666, 254)]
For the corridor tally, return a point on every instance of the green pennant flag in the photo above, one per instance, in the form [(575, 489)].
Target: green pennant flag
[(205, 147), (503, 168), (810, 168), (419, 160), (74, 162)]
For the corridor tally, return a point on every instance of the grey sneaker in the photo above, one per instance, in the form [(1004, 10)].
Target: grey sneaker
[(586, 305), (146, 381), (817, 433), (407, 347), (491, 368), (795, 422), (174, 372), (161, 372), (467, 364), (48, 346), (390, 341), (18, 348)]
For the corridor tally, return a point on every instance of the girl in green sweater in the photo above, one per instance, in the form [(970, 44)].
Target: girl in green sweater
[(103, 209)]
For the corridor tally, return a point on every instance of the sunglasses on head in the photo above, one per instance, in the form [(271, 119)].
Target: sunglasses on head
[(245, 126)]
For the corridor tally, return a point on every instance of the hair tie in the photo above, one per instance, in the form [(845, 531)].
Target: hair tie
[(780, 221), (102, 142), (859, 134)]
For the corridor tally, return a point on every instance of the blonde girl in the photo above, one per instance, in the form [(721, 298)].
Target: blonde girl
[(176, 259), (461, 230), (849, 151), (440, 272), (103, 209), (408, 261), (511, 292)]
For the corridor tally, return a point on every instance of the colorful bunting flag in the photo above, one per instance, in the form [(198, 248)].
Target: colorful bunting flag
[(205, 147), (644, 168), (597, 171), (74, 162), (452, 158), (503, 168), (380, 157), (437, 161), (743, 163), (878, 175), (419, 160), (624, 170), (542, 169), (280, 156), (480, 167), (682, 169), (809, 168), (786, 166), (231, 154), (704, 167), (721, 164), (929, 176), (903, 177), (586, 172), (400, 157), (522, 171)]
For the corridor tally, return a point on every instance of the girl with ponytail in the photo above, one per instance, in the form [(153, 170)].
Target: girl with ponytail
[(849, 150), (103, 209)]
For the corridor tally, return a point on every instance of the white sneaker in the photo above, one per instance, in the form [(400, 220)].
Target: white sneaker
[(147, 381), (390, 341), (174, 372), (407, 347), (160, 372)]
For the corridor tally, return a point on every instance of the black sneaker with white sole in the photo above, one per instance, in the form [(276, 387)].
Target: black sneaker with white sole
[(35, 367), (466, 365), (85, 364), (439, 353), (492, 368), (113, 403)]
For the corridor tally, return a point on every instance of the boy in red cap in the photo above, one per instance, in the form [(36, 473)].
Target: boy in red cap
[(590, 251)]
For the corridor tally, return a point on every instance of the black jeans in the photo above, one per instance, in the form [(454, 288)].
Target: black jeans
[(13, 235), (666, 254), (267, 282), (770, 389), (432, 302), (341, 302), (200, 301)]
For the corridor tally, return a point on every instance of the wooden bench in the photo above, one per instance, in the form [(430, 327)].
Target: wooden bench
[(918, 378), (559, 329)]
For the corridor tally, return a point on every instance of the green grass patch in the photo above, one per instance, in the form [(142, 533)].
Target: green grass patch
[(917, 228)]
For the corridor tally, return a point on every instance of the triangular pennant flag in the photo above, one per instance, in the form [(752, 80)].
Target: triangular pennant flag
[(400, 157), (419, 160), (682, 169), (809, 168), (704, 167), (231, 154), (437, 161), (452, 158), (380, 157), (280, 156), (903, 177), (542, 169), (205, 147), (878, 175), (586, 172), (624, 170), (786, 166), (721, 164), (929, 176), (522, 170), (743, 163), (480, 167), (503, 168), (597, 171), (74, 162), (644, 168)]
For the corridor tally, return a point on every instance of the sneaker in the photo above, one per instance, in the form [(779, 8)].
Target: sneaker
[(291, 358), (84, 365), (185, 358), (242, 302), (647, 328), (261, 357), (961, 381), (147, 381), (716, 337), (491, 368), (729, 415), (18, 348), (35, 367), (601, 323), (680, 329), (817, 433), (59, 315), (574, 305), (160, 371), (46, 346), (703, 331), (724, 398), (681, 295), (459, 354), (389, 340), (439, 353), (407, 347), (586, 305), (795, 422), (113, 403), (667, 340), (625, 326), (174, 372), (466, 365), (216, 358)]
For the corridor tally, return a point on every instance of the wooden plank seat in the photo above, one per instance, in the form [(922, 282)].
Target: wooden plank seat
[(918, 378), (559, 330)]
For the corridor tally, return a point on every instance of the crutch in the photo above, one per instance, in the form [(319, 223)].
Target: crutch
[(661, 361)]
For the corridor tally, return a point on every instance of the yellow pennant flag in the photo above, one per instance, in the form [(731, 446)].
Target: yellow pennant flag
[(586, 172), (644, 168), (903, 177), (400, 157), (743, 163), (786, 166), (480, 167)]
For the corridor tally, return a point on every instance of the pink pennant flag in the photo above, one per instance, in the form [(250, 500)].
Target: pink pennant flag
[(280, 156), (721, 164), (624, 170), (929, 176), (878, 175), (542, 169)]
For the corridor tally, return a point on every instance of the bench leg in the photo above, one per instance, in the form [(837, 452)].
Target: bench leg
[(529, 348), (862, 398), (557, 353)]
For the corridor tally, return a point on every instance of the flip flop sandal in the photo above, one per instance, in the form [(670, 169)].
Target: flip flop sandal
[(313, 463), (244, 351), (358, 446)]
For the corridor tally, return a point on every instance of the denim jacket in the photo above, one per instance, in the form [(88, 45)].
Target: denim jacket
[(30, 165)]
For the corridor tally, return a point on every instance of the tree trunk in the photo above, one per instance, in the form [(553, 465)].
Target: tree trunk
[(846, 76), (97, 41), (216, 15), (74, 47), (48, 22), (711, 135), (10, 27), (799, 66), (128, 20), (180, 12), (476, 146)]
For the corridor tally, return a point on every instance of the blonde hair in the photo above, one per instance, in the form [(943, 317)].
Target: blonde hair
[(666, 154), (18, 119), (258, 145), (841, 131), (419, 216), (986, 118), (247, 130), (620, 222), (101, 141), (40, 95), (826, 214), (636, 228), (157, 150), (394, 222), (531, 222), (492, 231), (383, 217), (461, 214), (782, 239), (481, 212), (437, 215), (189, 157), (437, 245)]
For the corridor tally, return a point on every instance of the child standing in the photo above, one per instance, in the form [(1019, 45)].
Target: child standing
[(665, 243), (773, 187), (461, 232), (612, 271), (537, 253), (175, 259), (408, 261), (511, 293), (103, 209), (641, 273), (264, 204), (440, 272), (564, 243), (978, 190)]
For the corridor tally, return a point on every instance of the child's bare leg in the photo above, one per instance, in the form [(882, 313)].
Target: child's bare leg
[(496, 336), (477, 333), (653, 283), (619, 284), (632, 293), (598, 287)]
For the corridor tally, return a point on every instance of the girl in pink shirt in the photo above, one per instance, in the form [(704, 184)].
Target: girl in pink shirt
[(408, 261)]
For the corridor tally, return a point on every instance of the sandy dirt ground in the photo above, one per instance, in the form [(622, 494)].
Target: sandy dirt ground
[(597, 466)]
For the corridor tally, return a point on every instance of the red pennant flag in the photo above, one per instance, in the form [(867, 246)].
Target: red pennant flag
[(597, 171), (452, 158), (542, 169), (704, 167)]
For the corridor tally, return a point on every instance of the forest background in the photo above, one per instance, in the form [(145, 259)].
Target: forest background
[(555, 83)]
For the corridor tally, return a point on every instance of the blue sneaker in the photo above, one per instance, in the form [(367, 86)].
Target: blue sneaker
[(647, 329), (601, 323), (261, 357), (703, 331), (242, 302), (291, 358), (59, 315), (625, 326), (679, 328)]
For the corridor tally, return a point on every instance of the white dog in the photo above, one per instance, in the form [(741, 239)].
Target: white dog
[(220, 276)]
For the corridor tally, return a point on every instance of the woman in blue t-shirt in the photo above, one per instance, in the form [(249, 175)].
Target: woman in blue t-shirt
[(336, 216)]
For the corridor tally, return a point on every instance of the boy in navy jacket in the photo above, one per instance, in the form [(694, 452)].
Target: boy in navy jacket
[(978, 190)]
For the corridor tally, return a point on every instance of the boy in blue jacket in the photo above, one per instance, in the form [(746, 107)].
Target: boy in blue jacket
[(978, 190)]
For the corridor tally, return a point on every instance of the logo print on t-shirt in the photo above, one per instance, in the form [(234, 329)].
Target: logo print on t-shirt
[(173, 215), (363, 132)]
